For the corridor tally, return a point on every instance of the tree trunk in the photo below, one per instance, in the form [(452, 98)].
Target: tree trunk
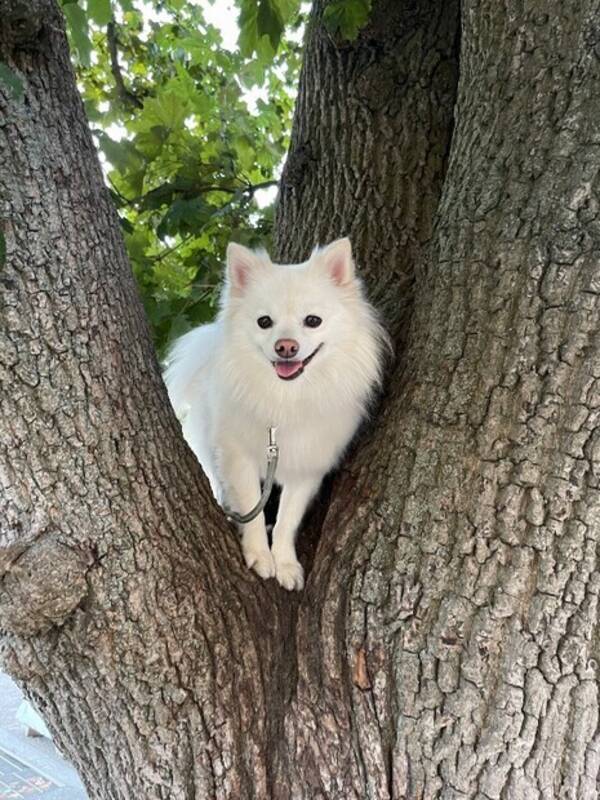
[(372, 129), (446, 643)]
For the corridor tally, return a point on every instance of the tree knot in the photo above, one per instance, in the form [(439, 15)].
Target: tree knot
[(42, 587), (20, 23), (296, 167)]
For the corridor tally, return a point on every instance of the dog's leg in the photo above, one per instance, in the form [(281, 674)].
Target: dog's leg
[(292, 505), (242, 494)]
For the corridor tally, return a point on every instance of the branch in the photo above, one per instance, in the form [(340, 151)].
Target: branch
[(249, 190), (252, 189), (127, 97), (172, 249)]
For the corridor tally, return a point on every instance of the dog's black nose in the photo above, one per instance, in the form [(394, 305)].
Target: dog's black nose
[(286, 348)]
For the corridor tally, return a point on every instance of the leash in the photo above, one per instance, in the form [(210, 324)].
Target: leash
[(272, 458)]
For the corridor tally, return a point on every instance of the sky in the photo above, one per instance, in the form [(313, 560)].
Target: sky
[(223, 15)]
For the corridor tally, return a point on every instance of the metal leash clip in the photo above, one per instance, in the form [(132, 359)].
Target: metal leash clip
[(272, 459)]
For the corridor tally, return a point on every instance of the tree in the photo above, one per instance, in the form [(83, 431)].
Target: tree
[(446, 643)]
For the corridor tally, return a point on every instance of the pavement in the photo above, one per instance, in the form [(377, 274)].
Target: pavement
[(31, 768)]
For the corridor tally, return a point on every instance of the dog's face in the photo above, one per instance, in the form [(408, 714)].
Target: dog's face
[(292, 321)]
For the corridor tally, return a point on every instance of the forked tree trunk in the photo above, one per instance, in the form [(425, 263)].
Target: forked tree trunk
[(446, 643)]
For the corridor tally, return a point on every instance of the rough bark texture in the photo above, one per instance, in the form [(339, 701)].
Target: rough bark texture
[(446, 643), (370, 141)]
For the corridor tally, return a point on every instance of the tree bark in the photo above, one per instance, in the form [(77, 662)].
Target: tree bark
[(370, 140), (446, 643)]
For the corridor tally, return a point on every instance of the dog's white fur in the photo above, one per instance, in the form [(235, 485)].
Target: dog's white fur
[(225, 390)]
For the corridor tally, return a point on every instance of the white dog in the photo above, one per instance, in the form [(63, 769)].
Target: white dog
[(294, 347)]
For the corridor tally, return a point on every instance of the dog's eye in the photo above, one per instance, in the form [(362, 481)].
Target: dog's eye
[(312, 321), (264, 322)]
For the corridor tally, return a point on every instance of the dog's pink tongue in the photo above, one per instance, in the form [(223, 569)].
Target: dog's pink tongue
[(285, 369)]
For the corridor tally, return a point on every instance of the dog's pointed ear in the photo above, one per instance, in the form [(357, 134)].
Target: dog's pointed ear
[(241, 264), (336, 259)]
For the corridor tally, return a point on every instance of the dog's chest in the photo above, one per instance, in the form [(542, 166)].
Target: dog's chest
[(306, 446)]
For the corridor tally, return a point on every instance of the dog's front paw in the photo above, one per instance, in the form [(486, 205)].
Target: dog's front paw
[(260, 560), (289, 574)]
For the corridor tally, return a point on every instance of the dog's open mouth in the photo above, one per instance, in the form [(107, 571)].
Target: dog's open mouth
[(288, 370)]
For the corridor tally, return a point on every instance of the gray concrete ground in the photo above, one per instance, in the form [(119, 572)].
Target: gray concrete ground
[(30, 768)]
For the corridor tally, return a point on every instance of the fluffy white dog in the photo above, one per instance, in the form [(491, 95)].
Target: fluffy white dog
[(295, 347)]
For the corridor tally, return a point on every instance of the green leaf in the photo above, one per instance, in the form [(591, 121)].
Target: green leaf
[(167, 110), (269, 22), (185, 216), (78, 26), (12, 81), (288, 9), (260, 21), (248, 38), (347, 17), (100, 11), (122, 155)]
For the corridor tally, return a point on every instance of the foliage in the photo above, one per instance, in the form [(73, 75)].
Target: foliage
[(184, 138), (262, 23), (346, 18)]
